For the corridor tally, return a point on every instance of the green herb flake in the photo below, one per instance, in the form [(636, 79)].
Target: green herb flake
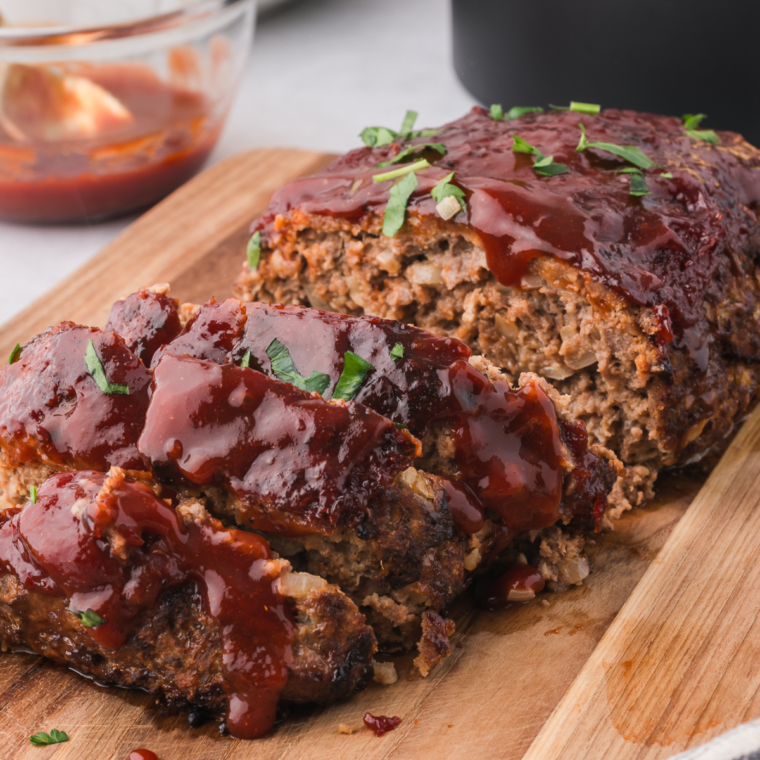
[(285, 370), (692, 120), (559, 108), (253, 251), (33, 494), (416, 166), (543, 165), (354, 371), (401, 426), (376, 137), (628, 152), (638, 185), (585, 107), (667, 175), (88, 618), (414, 152), (95, 367), (408, 124), (54, 737), (497, 112), (444, 189), (15, 353), (708, 135), (397, 352), (246, 360), (395, 211)]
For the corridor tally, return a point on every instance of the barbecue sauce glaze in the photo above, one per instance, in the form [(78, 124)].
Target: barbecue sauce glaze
[(60, 546), (659, 251)]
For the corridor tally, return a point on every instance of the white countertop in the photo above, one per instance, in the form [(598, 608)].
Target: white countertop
[(319, 72)]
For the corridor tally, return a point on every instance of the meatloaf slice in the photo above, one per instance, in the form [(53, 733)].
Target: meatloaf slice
[(641, 305), (100, 574)]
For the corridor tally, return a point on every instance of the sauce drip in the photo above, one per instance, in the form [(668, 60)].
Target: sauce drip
[(146, 320), (508, 443), (52, 410), (380, 725), (519, 584), (142, 754), (60, 546), (275, 446), (659, 250)]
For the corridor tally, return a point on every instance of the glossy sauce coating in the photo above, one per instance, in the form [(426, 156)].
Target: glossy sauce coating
[(52, 410), (146, 320), (276, 447), (380, 725), (508, 443), (60, 546), (518, 584), (142, 754), (660, 250)]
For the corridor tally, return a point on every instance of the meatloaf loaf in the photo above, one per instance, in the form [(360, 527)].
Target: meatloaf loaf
[(387, 463), (614, 254)]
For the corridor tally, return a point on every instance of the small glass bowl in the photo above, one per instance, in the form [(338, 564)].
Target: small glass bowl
[(106, 106)]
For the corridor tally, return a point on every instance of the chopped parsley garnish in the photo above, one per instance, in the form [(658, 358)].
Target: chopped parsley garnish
[(667, 175), (629, 152), (444, 189), (33, 494), (285, 370), (246, 360), (413, 152), (54, 737), (417, 165), (397, 352), (376, 137), (543, 165), (253, 251), (354, 371), (690, 123), (88, 618), (579, 107), (638, 185), (497, 112), (15, 353), (92, 360), (395, 211), (401, 426)]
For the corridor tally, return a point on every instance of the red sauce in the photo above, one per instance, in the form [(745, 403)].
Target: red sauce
[(124, 168), (380, 725), (59, 546), (276, 447), (146, 320), (519, 584), (662, 249), (52, 410), (508, 444), (142, 754)]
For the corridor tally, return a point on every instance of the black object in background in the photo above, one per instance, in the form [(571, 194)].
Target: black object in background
[(664, 56)]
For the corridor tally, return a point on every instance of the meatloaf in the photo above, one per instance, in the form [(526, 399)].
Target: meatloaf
[(614, 254), (389, 464)]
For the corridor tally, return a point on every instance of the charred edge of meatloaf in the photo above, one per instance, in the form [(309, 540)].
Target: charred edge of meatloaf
[(650, 404), (175, 650)]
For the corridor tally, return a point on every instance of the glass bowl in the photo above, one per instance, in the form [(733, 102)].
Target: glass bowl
[(106, 106)]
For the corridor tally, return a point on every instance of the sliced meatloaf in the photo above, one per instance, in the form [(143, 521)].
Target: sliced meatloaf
[(627, 275)]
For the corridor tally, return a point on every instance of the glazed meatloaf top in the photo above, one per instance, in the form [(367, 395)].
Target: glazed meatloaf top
[(660, 250)]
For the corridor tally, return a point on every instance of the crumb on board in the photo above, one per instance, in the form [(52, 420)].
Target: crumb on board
[(345, 728)]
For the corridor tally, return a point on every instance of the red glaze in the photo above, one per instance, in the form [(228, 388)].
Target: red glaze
[(273, 445), (52, 410), (146, 320), (142, 754), (60, 546), (508, 444), (380, 725), (516, 585), (659, 250)]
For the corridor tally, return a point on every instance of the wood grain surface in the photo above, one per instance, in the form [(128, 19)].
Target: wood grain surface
[(677, 665)]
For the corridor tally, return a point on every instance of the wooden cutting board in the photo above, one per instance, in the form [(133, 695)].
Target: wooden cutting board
[(657, 651)]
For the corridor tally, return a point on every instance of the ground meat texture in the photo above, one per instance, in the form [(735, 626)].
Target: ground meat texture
[(644, 310)]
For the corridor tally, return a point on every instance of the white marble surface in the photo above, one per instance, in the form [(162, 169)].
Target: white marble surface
[(319, 71)]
